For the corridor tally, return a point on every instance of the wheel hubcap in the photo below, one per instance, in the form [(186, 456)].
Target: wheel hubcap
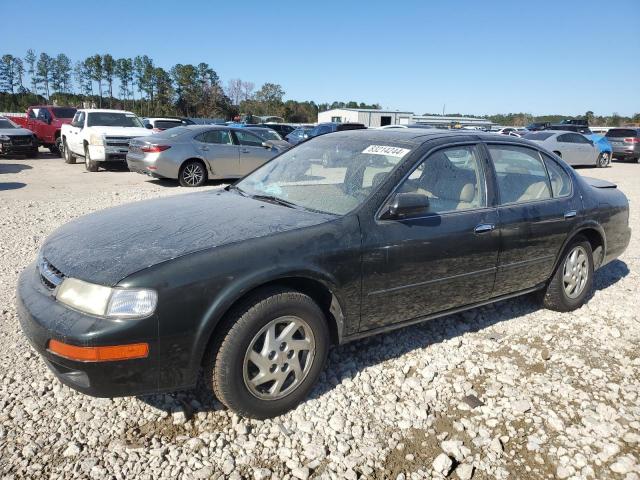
[(576, 272), (279, 358), (193, 174)]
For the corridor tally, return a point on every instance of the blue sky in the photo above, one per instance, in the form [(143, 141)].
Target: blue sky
[(477, 57)]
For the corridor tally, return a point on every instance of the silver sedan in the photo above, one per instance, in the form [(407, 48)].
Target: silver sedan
[(195, 153), (574, 148)]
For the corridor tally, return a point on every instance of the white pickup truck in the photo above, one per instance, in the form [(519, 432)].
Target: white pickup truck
[(100, 136)]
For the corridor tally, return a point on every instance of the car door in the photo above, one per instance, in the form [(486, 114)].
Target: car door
[(533, 222), (222, 155), (441, 259), (567, 148), (252, 153), (32, 114), (74, 139), (587, 151)]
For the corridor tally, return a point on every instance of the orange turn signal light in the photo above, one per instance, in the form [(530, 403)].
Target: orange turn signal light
[(99, 354)]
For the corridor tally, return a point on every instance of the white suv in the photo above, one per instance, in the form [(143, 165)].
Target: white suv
[(100, 136)]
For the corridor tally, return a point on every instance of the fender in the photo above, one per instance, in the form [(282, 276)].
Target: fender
[(240, 286), (585, 224)]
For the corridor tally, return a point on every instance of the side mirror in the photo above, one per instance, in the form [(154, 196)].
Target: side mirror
[(49, 120), (407, 204), (267, 145), (148, 126)]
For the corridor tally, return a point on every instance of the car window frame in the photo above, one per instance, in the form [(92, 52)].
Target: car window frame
[(236, 139), (484, 169), (497, 185), (561, 167)]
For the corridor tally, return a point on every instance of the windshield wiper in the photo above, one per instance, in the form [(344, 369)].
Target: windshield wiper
[(272, 199), (238, 189)]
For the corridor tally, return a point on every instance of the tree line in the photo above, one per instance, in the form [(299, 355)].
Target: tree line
[(138, 84)]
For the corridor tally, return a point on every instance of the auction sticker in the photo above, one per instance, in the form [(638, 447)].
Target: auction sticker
[(386, 150)]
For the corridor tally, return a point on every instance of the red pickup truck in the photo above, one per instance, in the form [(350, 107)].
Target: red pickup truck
[(45, 122)]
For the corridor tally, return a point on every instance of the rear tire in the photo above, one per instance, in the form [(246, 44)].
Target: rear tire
[(192, 174), (66, 153), (56, 148), (34, 152), (288, 365), (572, 281), (89, 164)]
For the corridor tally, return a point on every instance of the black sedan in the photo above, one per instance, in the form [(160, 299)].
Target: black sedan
[(14, 139), (252, 284)]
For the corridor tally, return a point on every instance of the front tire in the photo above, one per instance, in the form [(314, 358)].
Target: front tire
[(572, 281), (603, 160), (90, 165), (66, 153), (192, 174), (271, 353)]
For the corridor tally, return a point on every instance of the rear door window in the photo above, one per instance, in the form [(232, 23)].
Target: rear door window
[(560, 179), (521, 175)]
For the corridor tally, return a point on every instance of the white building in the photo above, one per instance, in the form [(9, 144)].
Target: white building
[(369, 117), (380, 118)]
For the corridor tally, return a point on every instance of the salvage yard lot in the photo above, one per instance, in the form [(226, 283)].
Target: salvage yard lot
[(559, 394)]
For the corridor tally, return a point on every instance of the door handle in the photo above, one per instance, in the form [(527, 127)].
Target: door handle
[(245, 150), (570, 214), (204, 148), (484, 228)]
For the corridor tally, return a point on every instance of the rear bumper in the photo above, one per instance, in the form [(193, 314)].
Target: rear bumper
[(152, 165), (42, 318), (631, 151)]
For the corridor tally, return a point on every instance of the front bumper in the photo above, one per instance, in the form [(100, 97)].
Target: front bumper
[(42, 318), (100, 153), (9, 147)]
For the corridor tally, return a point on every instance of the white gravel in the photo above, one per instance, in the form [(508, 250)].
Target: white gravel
[(506, 391)]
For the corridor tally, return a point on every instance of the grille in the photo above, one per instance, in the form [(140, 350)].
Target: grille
[(23, 140), (122, 142), (50, 276)]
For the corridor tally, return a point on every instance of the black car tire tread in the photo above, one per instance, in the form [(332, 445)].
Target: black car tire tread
[(225, 360), (67, 155), (554, 295)]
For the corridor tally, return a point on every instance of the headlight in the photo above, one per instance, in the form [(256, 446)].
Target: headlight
[(105, 301), (4, 138), (95, 139)]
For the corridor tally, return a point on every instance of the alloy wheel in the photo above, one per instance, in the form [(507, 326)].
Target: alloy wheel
[(603, 160), (279, 358), (193, 174), (575, 272)]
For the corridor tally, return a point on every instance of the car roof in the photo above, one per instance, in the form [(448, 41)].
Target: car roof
[(104, 110), (418, 136)]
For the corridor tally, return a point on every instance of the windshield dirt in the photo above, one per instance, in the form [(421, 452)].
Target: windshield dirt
[(327, 174)]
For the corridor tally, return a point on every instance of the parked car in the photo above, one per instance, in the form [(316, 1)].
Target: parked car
[(196, 153), (270, 136), (46, 121), (513, 131), (579, 122), (282, 128), (570, 128), (15, 139), (536, 126), (158, 124), (252, 284), (300, 134), (573, 148), (329, 127), (625, 143), (100, 136)]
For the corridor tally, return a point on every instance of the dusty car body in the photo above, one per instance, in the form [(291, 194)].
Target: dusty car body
[(573, 147), (253, 283)]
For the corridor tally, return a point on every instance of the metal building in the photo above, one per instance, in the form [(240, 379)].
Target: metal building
[(369, 117)]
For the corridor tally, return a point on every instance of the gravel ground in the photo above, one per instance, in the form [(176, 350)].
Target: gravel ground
[(504, 391)]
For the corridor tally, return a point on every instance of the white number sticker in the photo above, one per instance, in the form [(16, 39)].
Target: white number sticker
[(386, 150)]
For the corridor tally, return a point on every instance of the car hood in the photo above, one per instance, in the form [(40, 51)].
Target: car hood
[(15, 131), (122, 131), (107, 246)]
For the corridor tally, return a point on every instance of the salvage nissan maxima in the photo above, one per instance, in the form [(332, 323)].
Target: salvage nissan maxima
[(252, 284)]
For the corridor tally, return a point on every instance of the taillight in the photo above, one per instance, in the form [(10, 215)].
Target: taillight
[(632, 140), (154, 148)]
